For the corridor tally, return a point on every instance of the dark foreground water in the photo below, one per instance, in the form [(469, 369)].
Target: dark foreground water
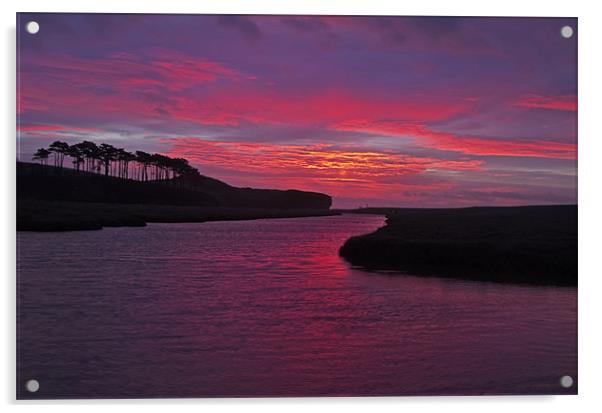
[(267, 308)]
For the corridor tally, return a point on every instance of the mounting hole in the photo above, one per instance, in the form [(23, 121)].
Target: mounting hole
[(32, 27), (566, 32), (566, 381), (32, 386)]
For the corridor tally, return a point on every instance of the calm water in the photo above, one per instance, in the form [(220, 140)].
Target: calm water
[(267, 308)]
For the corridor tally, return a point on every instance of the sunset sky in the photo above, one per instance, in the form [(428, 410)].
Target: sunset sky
[(379, 111)]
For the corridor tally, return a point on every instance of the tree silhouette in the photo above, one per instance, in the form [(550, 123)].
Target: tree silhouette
[(76, 152), (42, 155), (144, 159), (161, 164), (107, 154), (92, 154), (156, 168), (60, 149), (121, 158), (127, 157)]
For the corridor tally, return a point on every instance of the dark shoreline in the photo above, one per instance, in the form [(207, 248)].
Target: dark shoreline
[(528, 245), (37, 215)]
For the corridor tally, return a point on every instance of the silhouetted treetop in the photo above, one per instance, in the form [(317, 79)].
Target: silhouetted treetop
[(118, 162)]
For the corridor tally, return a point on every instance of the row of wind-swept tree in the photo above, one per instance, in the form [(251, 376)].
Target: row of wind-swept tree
[(111, 161)]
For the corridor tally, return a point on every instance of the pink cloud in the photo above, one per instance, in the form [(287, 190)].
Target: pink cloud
[(51, 128), (563, 102), (302, 109), (426, 138), (119, 84), (165, 86)]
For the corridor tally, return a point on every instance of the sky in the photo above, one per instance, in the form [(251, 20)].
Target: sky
[(377, 111)]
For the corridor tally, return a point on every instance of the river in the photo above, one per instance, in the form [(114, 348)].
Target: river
[(268, 308)]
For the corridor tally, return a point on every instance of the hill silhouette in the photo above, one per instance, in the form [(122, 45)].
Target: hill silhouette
[(56, 199), (49, 183)]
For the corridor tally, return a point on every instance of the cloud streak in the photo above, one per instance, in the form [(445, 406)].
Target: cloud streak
[(565, 102), (469, 145)]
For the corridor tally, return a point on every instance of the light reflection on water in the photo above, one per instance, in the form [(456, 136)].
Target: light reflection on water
[(267, 308)]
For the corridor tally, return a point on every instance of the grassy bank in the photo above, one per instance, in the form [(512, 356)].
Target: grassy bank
[(536, 244), (36, 215)]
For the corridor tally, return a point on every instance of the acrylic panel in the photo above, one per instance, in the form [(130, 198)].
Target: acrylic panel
[(277, 206)]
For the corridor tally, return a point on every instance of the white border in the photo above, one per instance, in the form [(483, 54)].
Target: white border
[(590, 70)]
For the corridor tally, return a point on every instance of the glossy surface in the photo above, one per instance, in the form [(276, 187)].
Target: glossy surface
[(267, 308)]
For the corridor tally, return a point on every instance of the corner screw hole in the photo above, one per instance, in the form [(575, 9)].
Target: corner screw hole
[(566, 381), (32, 27), (32, 386), (566, 32)]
